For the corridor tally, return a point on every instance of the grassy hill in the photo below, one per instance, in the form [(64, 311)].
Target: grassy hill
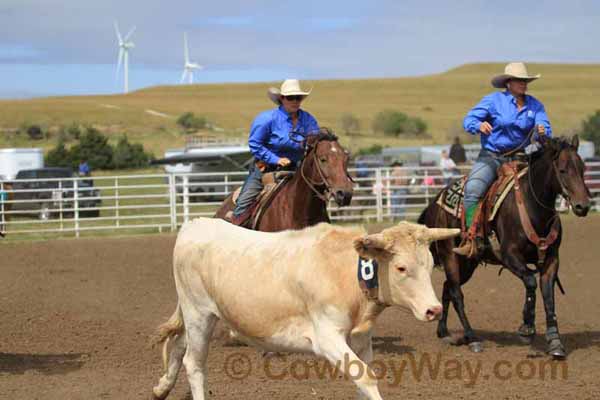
[(570, 93)]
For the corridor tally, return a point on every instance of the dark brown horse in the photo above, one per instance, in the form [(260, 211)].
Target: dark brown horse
[(303, 200), (556, 169)]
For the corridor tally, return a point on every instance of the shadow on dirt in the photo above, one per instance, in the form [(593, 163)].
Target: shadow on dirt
[(390, 345), (47, 364), (572, 340)]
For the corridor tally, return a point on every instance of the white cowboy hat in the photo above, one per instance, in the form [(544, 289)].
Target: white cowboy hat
[(516, 70), (289, 87)]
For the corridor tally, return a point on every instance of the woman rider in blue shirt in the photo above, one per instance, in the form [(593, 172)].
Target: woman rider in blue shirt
[(503, 120), (275, 137)]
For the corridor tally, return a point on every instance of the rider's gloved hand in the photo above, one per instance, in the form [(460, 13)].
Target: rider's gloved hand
[(541, 130), (283, 162), (485, 128)]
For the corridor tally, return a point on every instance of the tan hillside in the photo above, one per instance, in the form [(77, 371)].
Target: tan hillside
[(570, 93)]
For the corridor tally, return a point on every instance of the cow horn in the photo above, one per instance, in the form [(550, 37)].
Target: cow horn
[(433, 234)]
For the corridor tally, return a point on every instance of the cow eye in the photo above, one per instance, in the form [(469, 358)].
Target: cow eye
[(401, 269)]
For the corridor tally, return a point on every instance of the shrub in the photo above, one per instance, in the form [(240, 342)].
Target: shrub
[(591, 130), (35, 132), (94, 148), (394, 123), (128, 155), (190, 122), (349, 123), (58, 156), (373, 149)]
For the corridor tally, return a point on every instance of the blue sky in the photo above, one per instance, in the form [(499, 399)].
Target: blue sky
[(52, 47)]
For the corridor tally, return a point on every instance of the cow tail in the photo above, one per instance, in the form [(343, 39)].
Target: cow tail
[(173, 327)]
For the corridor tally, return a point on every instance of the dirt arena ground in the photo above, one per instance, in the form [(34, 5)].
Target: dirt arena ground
[(76, 318)]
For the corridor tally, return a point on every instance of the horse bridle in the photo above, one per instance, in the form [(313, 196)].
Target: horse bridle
[(312, 184), (565, 193)]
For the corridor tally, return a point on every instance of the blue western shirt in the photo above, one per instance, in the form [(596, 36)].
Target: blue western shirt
[(510, 126), (270, 135)]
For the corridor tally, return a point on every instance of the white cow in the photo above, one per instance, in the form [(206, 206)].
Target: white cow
[(292, 291)]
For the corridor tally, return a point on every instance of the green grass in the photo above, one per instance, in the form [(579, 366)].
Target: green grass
[(569, 92)]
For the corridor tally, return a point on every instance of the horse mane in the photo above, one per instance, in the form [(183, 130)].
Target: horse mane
[(324, 134), (552, 145)]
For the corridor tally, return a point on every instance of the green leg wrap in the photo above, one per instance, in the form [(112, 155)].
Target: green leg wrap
[(469, 214)]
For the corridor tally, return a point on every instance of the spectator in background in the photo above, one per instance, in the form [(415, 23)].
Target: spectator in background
[(84, 168), (399, 189), (457, 152), (447, 166)]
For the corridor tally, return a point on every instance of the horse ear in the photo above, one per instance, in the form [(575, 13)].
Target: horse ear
[(575, 142)]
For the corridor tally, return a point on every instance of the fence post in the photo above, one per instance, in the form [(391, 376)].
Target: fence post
[(388, 194), (186, 198), (60, 205), (117, 214), (378, 194), (76, 205), (3, 195), (426, 187), (173, 202), (226, 185)]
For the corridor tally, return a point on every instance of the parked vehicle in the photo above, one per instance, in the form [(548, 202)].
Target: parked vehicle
[(48, 192), (14, 160)]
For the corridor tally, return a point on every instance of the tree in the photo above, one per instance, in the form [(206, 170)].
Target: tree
[(349, 123), (59, 156), (591, 130), (93, 147), (394, 123), (127, 155)]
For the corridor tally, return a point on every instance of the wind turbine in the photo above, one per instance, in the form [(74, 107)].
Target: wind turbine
[(124, 45), (188, 66)]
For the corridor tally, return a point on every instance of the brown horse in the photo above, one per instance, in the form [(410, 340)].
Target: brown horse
[(556, 169), (303, 200)]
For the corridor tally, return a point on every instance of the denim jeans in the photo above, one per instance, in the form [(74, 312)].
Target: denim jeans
[(251, 188), (482, 175), (398, 201)]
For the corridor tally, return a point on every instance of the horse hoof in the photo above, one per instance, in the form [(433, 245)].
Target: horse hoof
[(557, 350), (476, 347)]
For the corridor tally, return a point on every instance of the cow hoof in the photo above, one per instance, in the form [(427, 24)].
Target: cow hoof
[(154, 396), (557, 350), (476, 347)]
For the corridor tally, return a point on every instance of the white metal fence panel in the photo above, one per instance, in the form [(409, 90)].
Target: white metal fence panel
[(162, 202)]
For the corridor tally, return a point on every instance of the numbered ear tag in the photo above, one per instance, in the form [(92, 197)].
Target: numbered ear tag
[(367, 272)]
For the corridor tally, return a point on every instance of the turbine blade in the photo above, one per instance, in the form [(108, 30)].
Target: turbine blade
[(130, 33), (186, 53), (119, 61), (117, 31)]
